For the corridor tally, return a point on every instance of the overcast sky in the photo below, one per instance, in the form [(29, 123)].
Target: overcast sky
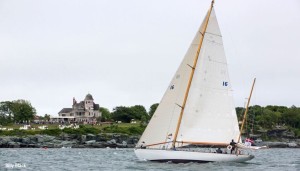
[(126, 52)]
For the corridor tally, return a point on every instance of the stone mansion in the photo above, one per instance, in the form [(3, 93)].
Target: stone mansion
[(83, 112)]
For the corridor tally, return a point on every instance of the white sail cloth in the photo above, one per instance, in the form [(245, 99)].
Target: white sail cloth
[(209, 114)]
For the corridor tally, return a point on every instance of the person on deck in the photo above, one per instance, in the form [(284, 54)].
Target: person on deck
[(143, 145), (169, 140), (249, 142), (232, 143), (219, 150)]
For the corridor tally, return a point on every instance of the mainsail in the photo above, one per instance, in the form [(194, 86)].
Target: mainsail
[(210, 116), (206, 103)]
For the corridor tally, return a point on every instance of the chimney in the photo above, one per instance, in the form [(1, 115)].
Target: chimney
[(74, 101)]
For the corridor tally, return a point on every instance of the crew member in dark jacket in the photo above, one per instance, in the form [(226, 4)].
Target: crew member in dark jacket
[(232, 143)]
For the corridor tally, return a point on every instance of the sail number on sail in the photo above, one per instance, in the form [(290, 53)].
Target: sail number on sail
[(225, 83)]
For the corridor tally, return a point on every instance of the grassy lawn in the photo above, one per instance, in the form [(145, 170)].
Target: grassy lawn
[(53, 129), (55, 126)]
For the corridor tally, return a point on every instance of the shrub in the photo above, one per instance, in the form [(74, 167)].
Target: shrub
[(134, 130), (53, 132), (72, 131)]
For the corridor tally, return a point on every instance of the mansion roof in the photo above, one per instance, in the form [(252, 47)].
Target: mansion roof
[(89, 97), (81, 106), (66, 110)]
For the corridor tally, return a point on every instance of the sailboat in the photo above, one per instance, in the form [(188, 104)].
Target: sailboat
[(197, 107)]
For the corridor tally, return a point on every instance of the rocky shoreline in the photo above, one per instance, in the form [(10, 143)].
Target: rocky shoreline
[(70, 141), (286, 144), (102, 140)]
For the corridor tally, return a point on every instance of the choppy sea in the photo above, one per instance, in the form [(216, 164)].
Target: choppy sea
[(124, 159)]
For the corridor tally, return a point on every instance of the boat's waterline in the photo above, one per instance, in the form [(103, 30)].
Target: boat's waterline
[(188, 156)]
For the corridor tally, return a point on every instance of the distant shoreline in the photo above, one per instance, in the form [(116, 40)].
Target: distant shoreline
[(101, 140)]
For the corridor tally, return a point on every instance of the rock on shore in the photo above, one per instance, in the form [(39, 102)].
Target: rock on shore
[(101, 140), (283, 144)]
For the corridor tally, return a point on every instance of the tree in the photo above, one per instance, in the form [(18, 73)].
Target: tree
[(122, 113), (105, 114), (280, 109), (5, 113), (22, 111), (47, 117), (126, 114), (292, 117), (138, 112), (153, 109)]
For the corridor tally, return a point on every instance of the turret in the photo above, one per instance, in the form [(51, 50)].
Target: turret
[(89, 102)]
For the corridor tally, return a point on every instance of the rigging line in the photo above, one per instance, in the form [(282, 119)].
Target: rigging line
[(254, 113), (252, 122), (191, 76), (245, 114)]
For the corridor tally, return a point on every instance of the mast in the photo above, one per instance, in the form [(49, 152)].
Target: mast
[(246, 111), (192, 75)]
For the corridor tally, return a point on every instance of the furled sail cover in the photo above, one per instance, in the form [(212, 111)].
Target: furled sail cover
[(165, 118), (210, 115)]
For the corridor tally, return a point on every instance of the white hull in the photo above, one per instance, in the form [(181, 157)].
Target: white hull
[(188, 156)]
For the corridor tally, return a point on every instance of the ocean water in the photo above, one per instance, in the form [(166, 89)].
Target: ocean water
[(125, 159)]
